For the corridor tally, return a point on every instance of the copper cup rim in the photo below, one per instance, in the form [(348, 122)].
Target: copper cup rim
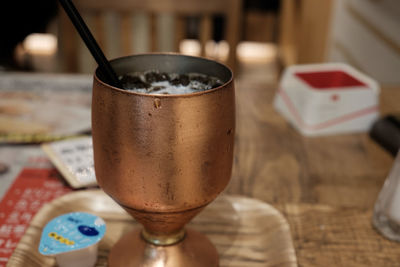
[(129, 92)]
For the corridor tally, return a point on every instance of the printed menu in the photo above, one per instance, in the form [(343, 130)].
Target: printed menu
[(74, 159), (31, 189)]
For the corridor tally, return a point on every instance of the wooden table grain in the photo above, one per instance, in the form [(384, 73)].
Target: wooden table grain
[(325, 186)]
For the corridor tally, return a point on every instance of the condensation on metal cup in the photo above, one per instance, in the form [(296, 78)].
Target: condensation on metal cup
[(386, 217)]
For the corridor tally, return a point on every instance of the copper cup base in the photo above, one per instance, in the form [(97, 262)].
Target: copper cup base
[(194, 250)]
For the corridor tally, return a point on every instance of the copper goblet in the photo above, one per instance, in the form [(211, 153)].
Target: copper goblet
[(163, 158)]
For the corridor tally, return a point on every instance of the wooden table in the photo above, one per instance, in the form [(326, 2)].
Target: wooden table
[(325, 186)]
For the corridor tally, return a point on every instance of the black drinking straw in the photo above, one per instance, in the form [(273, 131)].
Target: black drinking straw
[(104, 66)]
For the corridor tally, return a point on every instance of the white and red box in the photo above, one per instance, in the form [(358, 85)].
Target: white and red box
[(324, 99)]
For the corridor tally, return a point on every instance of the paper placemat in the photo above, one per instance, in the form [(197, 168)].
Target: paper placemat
[(31, 189)]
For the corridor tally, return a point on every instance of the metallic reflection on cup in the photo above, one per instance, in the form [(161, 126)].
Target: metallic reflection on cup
[(163, 158)]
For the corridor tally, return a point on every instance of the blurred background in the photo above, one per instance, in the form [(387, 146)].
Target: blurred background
[(253, 37)]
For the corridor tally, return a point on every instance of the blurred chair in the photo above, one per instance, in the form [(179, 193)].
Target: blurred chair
[(304, 31), (119, 39)]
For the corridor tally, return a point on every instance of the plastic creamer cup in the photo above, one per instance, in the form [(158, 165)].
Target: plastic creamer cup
[(73, 239)]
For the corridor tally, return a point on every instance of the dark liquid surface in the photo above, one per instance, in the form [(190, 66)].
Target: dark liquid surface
[(155, 82)]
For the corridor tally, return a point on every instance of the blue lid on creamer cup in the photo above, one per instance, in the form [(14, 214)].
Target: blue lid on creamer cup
[(70, 232)]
